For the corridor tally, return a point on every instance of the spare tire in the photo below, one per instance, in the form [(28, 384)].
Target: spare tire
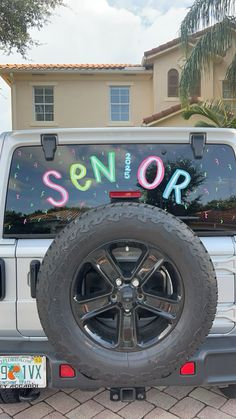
[(124, 291)]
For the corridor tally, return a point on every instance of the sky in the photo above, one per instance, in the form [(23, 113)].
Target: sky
[(99, 31)]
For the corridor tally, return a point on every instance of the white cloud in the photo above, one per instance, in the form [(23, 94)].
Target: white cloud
[(161, 5), (91, 31)]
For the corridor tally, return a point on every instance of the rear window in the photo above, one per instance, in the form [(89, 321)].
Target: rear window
[(43, 196)]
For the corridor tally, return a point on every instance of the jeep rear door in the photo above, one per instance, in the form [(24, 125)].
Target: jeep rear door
[(44, 195)]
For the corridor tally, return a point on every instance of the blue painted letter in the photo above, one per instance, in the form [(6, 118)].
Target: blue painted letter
[(172, 185)]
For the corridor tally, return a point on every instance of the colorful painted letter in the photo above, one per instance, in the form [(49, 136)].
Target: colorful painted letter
[(172, 185), (64, 194), (98, 167), (142, 170), (78, 171)]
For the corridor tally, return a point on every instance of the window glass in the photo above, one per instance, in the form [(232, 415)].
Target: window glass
[(226, 90), (38, 90), (196, 90), (228, 95), (119, 103), (173, 83), (44, 196), (44, 103)]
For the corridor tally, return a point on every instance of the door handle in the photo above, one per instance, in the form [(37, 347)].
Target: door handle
[(2, 280), (34, 270)]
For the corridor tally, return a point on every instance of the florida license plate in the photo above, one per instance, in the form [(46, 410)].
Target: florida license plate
[(23, 371)]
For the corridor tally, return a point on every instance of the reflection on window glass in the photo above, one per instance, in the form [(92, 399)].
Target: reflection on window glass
[(45, 196)]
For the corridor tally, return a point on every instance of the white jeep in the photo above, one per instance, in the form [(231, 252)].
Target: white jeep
[(112, 244)]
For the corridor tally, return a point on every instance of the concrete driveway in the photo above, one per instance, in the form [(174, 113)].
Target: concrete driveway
[(162, 402)]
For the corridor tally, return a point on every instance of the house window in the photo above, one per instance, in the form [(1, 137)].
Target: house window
[(196, 89), (173, 83), (44, 103), (228, 95), (120, 103), (226, 90)]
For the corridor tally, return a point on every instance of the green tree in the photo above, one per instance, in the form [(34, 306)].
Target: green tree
[(219, 114), (216, 20), (17, 17)]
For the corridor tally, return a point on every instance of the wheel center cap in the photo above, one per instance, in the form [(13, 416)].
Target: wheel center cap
[(127, 293), (126, 297)]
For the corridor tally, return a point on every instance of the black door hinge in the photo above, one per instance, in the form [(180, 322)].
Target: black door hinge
[(198, 142), (49, 144)]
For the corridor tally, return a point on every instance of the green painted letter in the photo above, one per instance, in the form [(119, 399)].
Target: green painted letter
[(98, 168), (75, 176)]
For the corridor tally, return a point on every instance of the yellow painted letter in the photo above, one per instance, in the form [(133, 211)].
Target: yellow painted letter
[(78, 171)]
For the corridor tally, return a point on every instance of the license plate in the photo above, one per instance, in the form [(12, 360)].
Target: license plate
[(22, 371)]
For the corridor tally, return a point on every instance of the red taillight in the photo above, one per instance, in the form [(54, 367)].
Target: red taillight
[(66, 371), (124, 194), (188, 368)]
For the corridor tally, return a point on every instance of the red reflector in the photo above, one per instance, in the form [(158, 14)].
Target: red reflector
[(125, 194), (66, 371), (188, 368)]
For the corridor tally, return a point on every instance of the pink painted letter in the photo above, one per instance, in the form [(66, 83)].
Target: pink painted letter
[(143, 169), (64, 194)]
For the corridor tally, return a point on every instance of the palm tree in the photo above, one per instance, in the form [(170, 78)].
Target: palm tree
[(219, 114), (216, 21)]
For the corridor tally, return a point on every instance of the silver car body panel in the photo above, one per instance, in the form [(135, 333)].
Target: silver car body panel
[(8, 312), (18, 311), (28, 323)]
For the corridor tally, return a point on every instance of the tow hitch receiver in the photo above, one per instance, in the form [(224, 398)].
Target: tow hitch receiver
[(127, 394)]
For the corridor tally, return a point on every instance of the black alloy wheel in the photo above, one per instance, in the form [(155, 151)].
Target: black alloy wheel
[(127, 295)]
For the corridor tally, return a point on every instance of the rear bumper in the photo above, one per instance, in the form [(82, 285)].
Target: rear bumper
[(215, 365)]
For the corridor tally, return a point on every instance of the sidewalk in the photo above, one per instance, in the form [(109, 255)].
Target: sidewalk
[(161, 402)]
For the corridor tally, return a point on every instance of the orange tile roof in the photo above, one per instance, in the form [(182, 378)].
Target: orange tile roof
[(173, 43), (61, 67), (166, 112)]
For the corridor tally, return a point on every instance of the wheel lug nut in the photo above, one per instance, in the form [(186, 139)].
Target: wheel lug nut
[(135, 283), (140, 297), (113, 298), (118, 282)]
